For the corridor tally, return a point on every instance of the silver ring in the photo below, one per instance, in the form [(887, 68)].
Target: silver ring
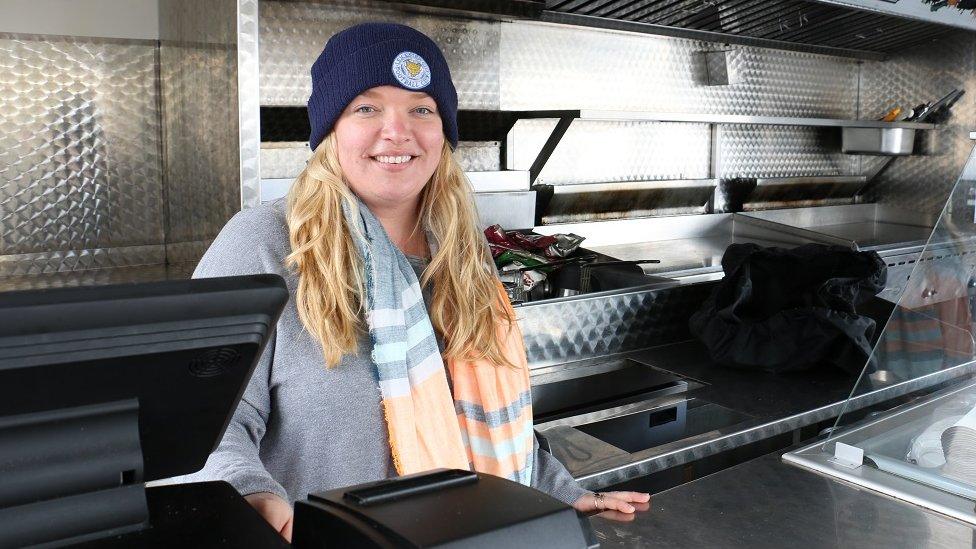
[(600, 504)]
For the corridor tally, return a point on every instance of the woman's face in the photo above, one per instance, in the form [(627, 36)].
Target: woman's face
[(389, 141)]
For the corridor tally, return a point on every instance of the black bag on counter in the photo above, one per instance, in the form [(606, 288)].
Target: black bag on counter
[(785, 310)]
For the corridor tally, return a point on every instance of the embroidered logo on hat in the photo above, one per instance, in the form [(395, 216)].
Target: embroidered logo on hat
[(411, 70)]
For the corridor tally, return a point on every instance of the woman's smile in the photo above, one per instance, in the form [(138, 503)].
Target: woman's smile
[(394, 162)]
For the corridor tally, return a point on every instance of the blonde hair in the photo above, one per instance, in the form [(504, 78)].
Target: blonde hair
[(466, 309)]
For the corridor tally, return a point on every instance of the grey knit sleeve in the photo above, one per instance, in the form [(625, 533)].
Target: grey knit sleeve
[(236, 459), (551, 477), (239, 250)]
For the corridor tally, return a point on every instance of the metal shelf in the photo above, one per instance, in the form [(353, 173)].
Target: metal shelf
[(482, 124), (747, 119)]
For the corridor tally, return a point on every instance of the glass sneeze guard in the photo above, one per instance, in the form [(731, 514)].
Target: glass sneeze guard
[(923, 451)]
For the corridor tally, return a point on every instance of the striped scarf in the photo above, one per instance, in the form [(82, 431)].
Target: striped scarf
[(487, 425)]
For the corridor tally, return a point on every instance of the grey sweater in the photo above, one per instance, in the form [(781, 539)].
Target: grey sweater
[(301, 427)]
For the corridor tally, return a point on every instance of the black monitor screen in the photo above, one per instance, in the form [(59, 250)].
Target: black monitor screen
[(185, 349)]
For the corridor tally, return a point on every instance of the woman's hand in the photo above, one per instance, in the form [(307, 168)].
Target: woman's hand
[(274, 510), (619, 506)]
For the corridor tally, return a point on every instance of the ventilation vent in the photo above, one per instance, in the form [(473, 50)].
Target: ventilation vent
[(214, 362)]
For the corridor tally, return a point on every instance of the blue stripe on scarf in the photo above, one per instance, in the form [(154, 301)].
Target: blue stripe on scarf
[(386, 353), (494, 418), (417, 333)]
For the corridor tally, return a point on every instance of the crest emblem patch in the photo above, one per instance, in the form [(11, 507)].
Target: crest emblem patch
[(411, 70)]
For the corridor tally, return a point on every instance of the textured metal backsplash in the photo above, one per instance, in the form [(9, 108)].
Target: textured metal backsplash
[(559, 67), (97, 277), (249, 100), (923, 182), (781, 151), (546, 66), (80, 158), (566, 331)]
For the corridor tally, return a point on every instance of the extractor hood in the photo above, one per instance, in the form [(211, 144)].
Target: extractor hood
[(867, 29), (860, 28)]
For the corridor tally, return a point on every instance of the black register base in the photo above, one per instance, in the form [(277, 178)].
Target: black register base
[(203, 514)]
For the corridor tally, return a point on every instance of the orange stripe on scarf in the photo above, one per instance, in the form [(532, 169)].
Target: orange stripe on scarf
[(423, 427)]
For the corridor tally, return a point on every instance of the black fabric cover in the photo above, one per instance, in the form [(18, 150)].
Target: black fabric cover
[(785, 310)]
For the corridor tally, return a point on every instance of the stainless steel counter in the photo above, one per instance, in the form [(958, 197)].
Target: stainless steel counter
[(767, 503), (760, 405)]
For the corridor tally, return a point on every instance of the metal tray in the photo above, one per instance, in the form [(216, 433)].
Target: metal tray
[(879, 141), (883, 229)]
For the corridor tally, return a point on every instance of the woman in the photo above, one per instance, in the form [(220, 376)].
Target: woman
[(354, 387)]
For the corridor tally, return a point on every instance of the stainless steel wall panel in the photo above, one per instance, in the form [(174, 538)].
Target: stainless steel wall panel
[(780, 151), (90, 175), (293, 34), (924, 74), (545, 66), (511, 209), (199, 82), (80, 159), (595, 151)]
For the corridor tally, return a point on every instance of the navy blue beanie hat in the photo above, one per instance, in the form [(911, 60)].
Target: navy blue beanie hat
[(377, 54)]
